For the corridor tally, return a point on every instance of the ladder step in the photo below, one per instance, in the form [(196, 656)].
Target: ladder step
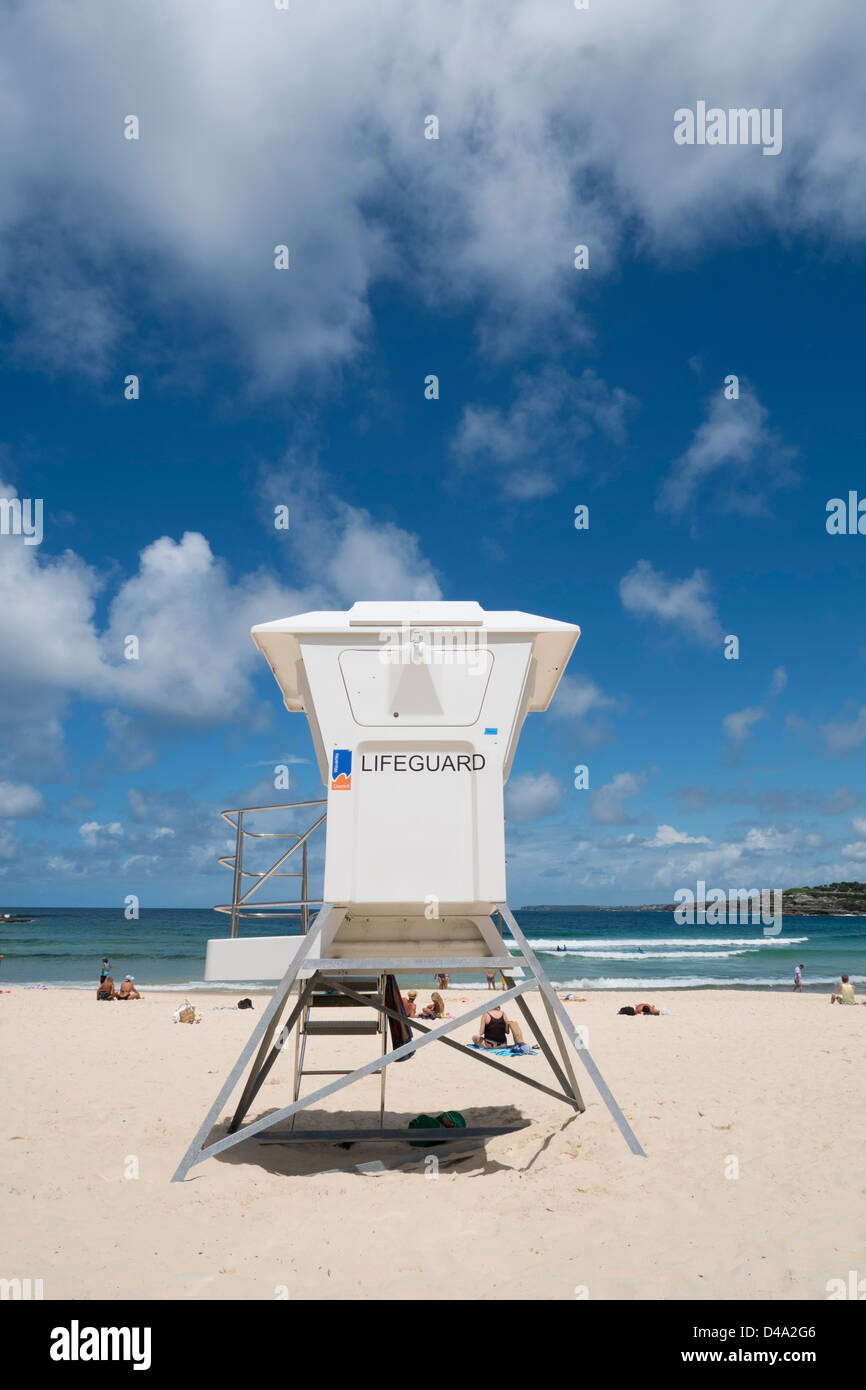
[(364, 984), (338, 1001), (315, 1071), (343, 1027)]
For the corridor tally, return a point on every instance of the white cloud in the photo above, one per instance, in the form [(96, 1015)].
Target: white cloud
[(339, 550), (531, 796), (531, 447), (195, 661), (779, 681), (666, 835), (859, 826), (845, 735), (17, 799), (577, 696), (92, 832), (607, 805), (733, 464), (556, 128), (684, 604), (738, 725)]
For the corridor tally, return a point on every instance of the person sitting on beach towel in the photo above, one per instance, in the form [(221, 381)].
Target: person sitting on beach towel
[(409, 1004), (127, 989), (436, 1007), (846, 993), (106, 989), (495, 1028)]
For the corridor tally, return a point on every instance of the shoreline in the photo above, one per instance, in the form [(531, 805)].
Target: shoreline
[(647, 986)]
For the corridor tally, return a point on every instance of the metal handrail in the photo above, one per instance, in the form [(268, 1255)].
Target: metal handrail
[(235, 863)]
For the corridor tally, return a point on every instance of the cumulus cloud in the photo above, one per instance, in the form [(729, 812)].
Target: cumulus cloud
[(607, 806), (734, 463), (531, 796), (533, 446), (341, 551), (685, 604), (845, 735), (17, 799), (556, 127), (634, 868), (738, 726), (92, 832), (666, 835), (191, 620), (581, 702)]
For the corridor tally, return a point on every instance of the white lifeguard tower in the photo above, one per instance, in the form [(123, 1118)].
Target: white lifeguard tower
[(415, 711)]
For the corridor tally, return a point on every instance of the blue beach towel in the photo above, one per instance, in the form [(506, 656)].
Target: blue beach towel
[(514, 1050)]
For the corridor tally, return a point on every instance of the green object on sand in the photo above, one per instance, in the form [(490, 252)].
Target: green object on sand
[(449, 1119)]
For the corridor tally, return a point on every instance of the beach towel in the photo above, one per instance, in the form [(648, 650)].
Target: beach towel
[(401, 1031), (513, 1050)]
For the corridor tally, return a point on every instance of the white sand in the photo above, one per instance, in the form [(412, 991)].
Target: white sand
[(772, 1080)]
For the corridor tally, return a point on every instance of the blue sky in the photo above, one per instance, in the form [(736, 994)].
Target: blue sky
[(557, 387)]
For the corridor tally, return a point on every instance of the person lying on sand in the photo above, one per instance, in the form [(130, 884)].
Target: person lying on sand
[(127, 989), (495, 1028), (435, 1009), (106, 989), (639, 1009), (846, 993)]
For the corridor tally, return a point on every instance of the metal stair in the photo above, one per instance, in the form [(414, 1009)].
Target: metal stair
[(372, 988)]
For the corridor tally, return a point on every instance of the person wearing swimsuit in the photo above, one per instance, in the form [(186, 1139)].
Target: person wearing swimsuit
[(494, 1030)]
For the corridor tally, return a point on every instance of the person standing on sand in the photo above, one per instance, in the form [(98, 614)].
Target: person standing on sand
[(798, 979), (491, 979), (104, 969)]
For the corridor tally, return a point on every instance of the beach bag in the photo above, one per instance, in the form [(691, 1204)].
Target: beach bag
[(627, 1010), (185, 1014), (449, 1119)]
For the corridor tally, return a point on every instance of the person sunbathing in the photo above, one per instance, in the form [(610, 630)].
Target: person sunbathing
[(409, 1004), (106, 989), (127, 989), (435, 1009), (495, 1028), (645, 1009), (846, 993)]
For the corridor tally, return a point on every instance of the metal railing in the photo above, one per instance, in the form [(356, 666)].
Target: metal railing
[(237, 908)]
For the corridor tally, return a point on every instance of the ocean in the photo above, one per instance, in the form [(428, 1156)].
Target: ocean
[(580, 950)]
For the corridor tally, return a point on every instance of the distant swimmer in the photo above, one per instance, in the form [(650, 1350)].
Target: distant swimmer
[(560, 948)]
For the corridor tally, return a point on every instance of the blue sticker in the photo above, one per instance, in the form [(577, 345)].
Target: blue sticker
[(341, 770)]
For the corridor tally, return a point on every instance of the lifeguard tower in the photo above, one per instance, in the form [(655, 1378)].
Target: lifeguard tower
[(415, 711)]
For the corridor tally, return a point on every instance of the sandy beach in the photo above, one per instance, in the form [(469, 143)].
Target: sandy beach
[(764, 1084)]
